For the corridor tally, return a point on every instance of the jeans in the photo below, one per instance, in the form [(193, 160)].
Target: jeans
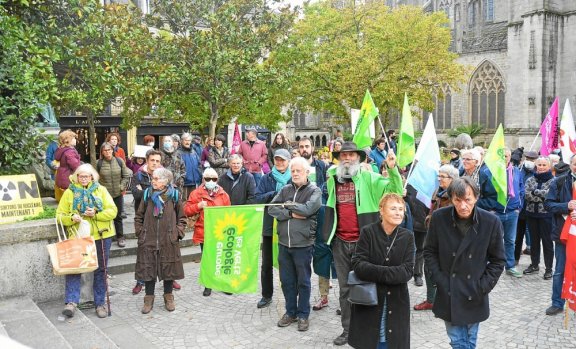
[(558, 277), (382, 345), (509, 221), (463, 337), (118, 226), (72, 291), (266, 273), (419, 237), (295, 269), (342, 253), (541, 230)]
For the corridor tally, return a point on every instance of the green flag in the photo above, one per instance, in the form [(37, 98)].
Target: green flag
[(232, 237), (406, 147), (496, 162), (368, 113)]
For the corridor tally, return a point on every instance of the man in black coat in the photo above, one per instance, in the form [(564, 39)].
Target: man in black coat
[(464, 252), (238, 183)]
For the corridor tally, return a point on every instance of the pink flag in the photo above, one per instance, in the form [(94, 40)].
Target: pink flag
[(236, 140), (549, 130)]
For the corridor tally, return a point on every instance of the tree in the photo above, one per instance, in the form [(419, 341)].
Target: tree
[(334, 54), (105, 53), (218, 48), (26, 82)]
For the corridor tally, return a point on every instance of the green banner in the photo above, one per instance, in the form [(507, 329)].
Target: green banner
[(232, 236)]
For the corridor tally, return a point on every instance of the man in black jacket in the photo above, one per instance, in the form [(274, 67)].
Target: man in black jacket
[(296, 234), (238, 183), (464, 252)]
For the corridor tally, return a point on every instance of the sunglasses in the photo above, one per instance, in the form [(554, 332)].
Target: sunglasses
[(210, 179)]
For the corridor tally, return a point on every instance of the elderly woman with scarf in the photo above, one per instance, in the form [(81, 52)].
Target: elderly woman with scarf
[(207, 194), (86, 199), (159, 224), (268, 187)]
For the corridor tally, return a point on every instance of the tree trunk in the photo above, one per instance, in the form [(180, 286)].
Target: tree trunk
[(213, 119), (91, 137)]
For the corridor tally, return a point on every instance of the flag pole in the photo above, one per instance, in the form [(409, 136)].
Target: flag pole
[(410, 172), (383, 131), (535, 138)]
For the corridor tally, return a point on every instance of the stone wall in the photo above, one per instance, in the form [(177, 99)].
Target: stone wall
[(25, 267)]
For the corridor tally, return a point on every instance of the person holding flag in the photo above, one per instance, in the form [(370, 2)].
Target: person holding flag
[(502, 193)]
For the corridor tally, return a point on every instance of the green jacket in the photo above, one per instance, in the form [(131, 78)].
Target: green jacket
[(114, 175), (102, 221), (369, 188)]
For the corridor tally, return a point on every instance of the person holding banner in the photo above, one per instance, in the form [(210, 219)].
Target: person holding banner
[(297, 220), (88, 200), (353, 199), (207, 194), (269, 186), (159, 225)]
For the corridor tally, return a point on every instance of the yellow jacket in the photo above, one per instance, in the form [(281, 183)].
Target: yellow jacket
[(102, 221)]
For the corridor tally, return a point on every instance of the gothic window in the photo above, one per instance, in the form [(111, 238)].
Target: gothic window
[(457, 13), (472, 10), (489, 7), (443, 110), (487, 96)]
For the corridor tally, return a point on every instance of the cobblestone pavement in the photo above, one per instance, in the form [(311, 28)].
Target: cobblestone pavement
[(221, 321)]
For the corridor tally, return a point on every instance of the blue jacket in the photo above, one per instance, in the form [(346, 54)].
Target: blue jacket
[(489, 198), (378, 156), (50, 156), (198, 149), (320, 176), (193, 175), (556, 202)]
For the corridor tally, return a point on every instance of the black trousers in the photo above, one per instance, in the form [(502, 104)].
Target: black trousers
[(151, 285), (266, 272), (520, 232), (419, 238), (541, 230), (118, 226)]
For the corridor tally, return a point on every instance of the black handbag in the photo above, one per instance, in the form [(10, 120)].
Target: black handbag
[(361, 292)]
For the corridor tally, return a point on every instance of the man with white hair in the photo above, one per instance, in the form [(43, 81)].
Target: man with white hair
[(353, 199), (193, 174), (296, 233)]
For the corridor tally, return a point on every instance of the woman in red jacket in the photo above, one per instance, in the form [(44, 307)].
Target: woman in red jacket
[(207, 194)]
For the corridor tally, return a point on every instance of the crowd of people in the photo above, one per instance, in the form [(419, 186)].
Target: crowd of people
[(340, 211)]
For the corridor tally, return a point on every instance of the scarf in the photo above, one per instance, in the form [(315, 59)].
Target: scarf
[(84, 197), (543, 177), (280, 178), (510, 170), (159, 197)]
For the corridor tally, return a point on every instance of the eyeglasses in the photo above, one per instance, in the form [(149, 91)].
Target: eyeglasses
[(468, 159), (84, 176), (210, 179), (444, 177)]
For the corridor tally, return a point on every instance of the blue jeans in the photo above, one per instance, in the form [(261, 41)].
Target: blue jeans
[(382, 345), (257, 177), (509, 221), (295, 269), (72, 292), (558, 277), (463, 337)]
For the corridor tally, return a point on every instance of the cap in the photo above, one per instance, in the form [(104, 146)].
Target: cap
[(283, 153), (531, 154), (455, 151)]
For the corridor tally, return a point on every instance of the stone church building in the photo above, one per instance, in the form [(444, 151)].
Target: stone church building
[(522, 53)]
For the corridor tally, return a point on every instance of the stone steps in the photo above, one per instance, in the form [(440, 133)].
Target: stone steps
[(24, 322), (79, 331)]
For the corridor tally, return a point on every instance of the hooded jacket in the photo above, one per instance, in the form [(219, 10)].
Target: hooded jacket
[(193, 175), (69, 160)]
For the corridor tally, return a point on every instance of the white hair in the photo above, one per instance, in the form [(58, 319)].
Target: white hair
[(85, 168), (164, 174), (449, 170), (300, 161), (210, 173), (235, 157), (473, 153)]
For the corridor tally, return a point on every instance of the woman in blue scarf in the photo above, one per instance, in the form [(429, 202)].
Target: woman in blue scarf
[(159, 224), (86, 199)]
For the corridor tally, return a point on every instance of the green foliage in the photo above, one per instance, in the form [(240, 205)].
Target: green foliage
[(49, 212), (217, 47), (334, 54), (26, 81), (473, 130)]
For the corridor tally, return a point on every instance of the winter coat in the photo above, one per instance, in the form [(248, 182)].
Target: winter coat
[(193, 166), (133, 165), (369, 189), (69, 160), (158, 256), (265, 192), (218, 160), (466, 269), (241, 190), (537, 188), (219, 198), (143, 179), (417, 208), (102, 221), (304, 201), (114, 175), (489, 197), (254, 155), (378, 156), (391, 275), (559, 194), (441, 199), (173, 162), (456, 163)]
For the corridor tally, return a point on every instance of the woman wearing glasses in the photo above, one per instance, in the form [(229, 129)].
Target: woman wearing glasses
[(209, 193), (446, 174), (470, 161)]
